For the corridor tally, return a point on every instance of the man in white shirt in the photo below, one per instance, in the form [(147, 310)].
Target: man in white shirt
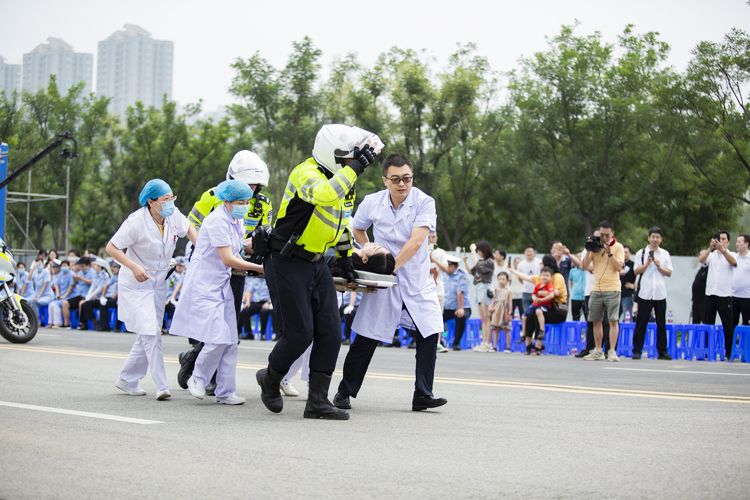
[(741, 282), (721, 262), (531, 266), (652, 265)]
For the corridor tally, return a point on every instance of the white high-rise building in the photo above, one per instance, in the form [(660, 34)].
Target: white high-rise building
[(132, 66), (10, 77), (56, 57)]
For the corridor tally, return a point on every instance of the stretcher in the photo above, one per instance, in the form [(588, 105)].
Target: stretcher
[(365, 282)]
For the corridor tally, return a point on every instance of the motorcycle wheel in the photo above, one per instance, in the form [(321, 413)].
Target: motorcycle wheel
[(14, 334)]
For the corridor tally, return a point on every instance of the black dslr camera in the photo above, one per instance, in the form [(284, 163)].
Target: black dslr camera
[(593, 244)]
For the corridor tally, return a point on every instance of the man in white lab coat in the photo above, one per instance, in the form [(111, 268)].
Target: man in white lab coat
[(401, 218)]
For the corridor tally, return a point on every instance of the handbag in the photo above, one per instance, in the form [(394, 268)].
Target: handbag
[(490, 294)]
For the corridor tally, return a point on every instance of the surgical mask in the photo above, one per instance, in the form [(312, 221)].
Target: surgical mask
[(239, 211), (167, 208)]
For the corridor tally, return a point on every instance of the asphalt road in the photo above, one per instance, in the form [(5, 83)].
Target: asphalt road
[(514, 427)]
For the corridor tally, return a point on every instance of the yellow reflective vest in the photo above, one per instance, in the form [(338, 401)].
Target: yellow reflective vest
[(317, 206), (259, 210)]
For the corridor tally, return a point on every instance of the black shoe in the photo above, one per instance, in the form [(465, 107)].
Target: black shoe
[(420, 403), (665, 357), (269, 381), (187, 363), (318, 405), (636, 355), (211, 389), (342, 402), (456, 348), (583, 353)]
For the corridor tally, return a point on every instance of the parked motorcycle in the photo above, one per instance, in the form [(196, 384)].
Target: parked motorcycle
[(18, 320)]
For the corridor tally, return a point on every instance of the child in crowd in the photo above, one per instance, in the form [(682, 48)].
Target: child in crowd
[(500, 310), (542, 297)]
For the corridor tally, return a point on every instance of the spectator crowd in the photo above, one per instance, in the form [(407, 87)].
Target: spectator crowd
[(603, 286)]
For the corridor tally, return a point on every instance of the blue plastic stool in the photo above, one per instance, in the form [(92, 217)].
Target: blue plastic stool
[(721, 351), (515, 337), (472, 335), (678, 342), (573, 337), (74, 319), (702, 342), (553, 339), (43, 315), (625, 339), (741, 349)]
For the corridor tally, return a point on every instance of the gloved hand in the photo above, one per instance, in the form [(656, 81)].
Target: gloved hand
[(347, 268), (349, 309), (103, 301), (362, 159)]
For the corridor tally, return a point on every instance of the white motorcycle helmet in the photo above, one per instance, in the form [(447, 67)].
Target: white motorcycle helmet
[(338, 141), (248, 167)]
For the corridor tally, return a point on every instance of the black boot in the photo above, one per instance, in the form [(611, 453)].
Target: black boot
[(318, 405), (187, 363), (269, 380)]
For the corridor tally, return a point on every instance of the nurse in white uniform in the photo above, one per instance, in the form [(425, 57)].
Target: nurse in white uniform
[(401, 218), (206, 311), (144, 245)]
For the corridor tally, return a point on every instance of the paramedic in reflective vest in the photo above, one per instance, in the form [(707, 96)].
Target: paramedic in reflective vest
[(313, 217), (248, 167)]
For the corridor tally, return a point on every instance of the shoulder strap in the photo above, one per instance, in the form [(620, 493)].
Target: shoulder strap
[(640, 276)]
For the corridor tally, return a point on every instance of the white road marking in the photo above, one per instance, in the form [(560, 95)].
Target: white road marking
[(101, 416), (678, 371)]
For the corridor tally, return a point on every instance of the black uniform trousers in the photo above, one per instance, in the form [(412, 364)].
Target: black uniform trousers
[(307, 311), (360, 354), (247, 313), (641, 324), (348, 320), (103, 324), (740, 305), (87, 312), (449, 314), (722, 305)]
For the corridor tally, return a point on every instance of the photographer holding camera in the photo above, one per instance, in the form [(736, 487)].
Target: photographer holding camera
[(652, 265), (721, 263), (608, 259)]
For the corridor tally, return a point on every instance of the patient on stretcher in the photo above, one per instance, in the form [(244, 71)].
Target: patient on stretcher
[(368, 261)]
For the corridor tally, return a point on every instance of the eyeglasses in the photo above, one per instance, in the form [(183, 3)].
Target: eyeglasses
[(397, 180), (168, 198)]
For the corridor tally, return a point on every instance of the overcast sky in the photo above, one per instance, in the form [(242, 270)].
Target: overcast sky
[(208, 36)]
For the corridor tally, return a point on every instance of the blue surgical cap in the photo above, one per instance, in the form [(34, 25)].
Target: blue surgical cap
[(152, 190), (233, 190)]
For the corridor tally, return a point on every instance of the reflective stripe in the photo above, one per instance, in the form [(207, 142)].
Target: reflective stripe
[(341, 188), (198, 216), (333, 211), (346, 181), (324, 219)]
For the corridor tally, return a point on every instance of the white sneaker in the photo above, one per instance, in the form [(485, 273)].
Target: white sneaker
[(506, 350), (232, 399), (133, 391), (197, 389), (595, 355), (441, 348), (612, 356), (163, 395), (288, 389)]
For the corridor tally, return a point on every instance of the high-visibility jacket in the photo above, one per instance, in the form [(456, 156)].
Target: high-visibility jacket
[(259, 210), (317, 206)]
